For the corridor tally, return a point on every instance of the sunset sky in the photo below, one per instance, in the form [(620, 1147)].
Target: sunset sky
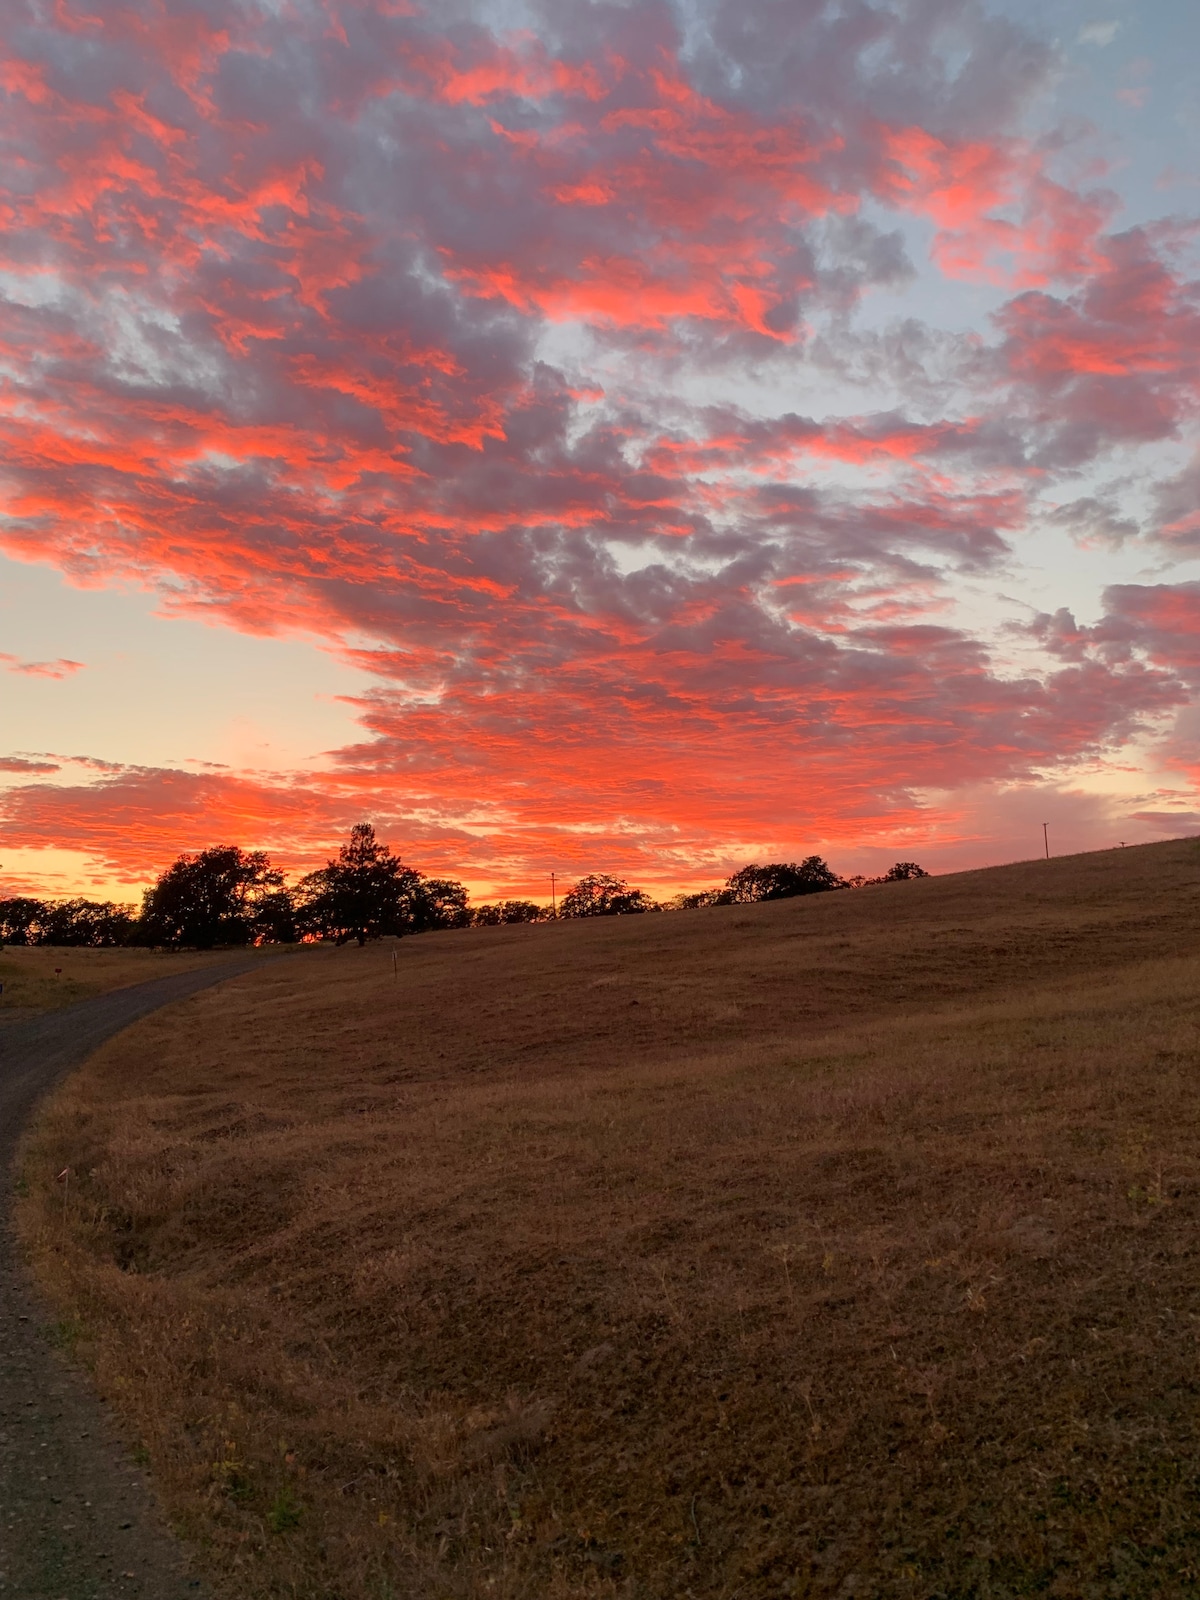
[(639, 437)]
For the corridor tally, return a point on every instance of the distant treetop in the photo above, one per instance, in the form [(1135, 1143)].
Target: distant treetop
[(229, 896), (779, 880), (369, 892), (783, 880), (505, 911), (903, 870), (598, 895), (223, 896)]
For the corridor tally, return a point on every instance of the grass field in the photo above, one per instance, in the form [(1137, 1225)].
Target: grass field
[(841, 1246), (45, 977)]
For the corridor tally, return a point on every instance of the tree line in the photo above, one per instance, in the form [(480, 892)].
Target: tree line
[(227, 896)]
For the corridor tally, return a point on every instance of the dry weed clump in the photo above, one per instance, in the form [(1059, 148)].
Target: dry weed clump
[(858, 1257)]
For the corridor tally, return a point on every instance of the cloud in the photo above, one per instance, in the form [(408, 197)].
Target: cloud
[(62, 668), (1113, 362), (1099, 33), (1176, 824), (1162, 620), (1159, 623), (1177, 504), (421, 338), (999, 216), (135, 820), (22, 767), (702, 747), (990, 824), (1095, 520)]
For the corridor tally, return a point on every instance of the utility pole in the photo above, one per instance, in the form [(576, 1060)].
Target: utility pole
[(1046, 837), (553, 899)]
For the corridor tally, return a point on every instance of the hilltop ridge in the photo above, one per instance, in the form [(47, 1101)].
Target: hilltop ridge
[(830, 1246)]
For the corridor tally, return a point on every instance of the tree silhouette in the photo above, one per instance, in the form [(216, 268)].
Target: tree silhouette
[(366, 893), (902, 871), (226, 895), (369, 892), (690, 902), (440, 903), (275, 917), (598, 895), (490, 916), (21, 919), (778, 880), (222, 896), (96, 923)]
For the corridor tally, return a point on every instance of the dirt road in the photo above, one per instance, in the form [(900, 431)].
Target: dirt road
[(77, 1521)]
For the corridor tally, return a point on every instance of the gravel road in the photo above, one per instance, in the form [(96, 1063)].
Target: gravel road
[(77, 1521)]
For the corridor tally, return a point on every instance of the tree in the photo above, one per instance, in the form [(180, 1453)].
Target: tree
[(902, 871), (21, 919), (598, 895), (96, 923), (366, 893), (440, 903), (491, 916), (275, 917), (779, 880), (223, 896)]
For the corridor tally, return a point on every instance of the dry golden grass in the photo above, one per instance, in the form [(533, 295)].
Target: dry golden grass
[(46, 977), (841, 1246)]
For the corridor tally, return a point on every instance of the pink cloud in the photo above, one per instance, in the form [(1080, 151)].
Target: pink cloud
[(999, 216), (1175, 824), (284, 285), (22, 767), (1160, 622), (62, 668), (1116, 361)]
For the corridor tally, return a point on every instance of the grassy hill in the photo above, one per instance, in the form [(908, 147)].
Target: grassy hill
[(837, 1246), (38, 978)]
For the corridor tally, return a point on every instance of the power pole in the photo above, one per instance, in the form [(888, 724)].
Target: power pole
[(1046, 837), (553, 899)]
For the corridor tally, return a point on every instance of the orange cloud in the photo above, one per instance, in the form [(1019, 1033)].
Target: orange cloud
[(422, 340)]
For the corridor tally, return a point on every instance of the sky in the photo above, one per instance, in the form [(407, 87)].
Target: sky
[(636, 437)]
